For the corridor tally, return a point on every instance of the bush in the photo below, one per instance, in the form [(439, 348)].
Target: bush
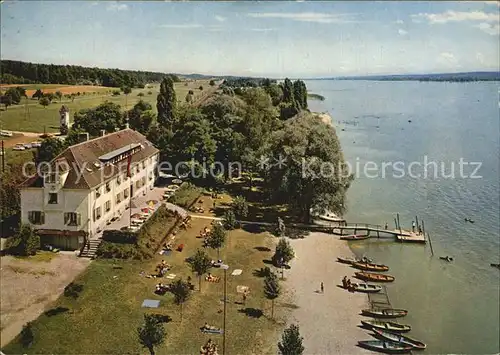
[(118, 236), (212, 83), (27, 336), (185, 195), (201, 87), (140, 94), (150, 92), (116, 93), (146, 240), (26, 242), (73, 290)]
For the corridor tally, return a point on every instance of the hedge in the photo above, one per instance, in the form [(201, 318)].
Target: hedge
[(119, 236)]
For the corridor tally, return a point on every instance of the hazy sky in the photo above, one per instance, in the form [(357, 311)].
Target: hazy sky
[(299, 39)]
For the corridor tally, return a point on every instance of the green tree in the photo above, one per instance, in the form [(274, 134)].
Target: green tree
[(291, 341), (201, 87), (212, 82), (141, 117), (284, 252), (217, 238), (126, 90), (38, 94), (49, 149), (151, 333), (288, 96), (6, 100), (315, 176), (21, 91), (229, 220), (272, 289), (59, 95), (14, 94), (26, 242), (166, 103), (300, 94), (106, 116), (189, 98), (181, 291), (240, 207), (200, 264), (27, 337), (44, 101)]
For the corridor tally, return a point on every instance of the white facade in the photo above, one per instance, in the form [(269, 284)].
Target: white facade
[(53, 207)]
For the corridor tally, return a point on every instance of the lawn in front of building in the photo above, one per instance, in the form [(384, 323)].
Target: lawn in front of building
[(104, 319)]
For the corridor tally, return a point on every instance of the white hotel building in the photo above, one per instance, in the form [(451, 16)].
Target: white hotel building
[(87, 186)]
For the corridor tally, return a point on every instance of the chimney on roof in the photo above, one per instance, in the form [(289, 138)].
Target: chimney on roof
[(83, 137), (103, 132)]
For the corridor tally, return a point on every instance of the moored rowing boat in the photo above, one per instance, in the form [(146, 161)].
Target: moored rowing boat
[(391, 326), (384, 313), (385, 346), (355, 237), (370, 266), (369, 276), (401, 339), (367, 288)]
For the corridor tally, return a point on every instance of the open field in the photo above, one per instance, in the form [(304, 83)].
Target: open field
[(39, 281), (104, 319), (30, 116)]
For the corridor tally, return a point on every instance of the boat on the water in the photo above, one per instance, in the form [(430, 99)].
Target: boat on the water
[(355, 237), (401, 339), (495, 265), (370, 266), (388, 347), (384, 312), (370, 276), (350, 261), (367, 288), (390, 326)]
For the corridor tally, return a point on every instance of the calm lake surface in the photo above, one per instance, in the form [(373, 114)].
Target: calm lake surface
[(453, 307)]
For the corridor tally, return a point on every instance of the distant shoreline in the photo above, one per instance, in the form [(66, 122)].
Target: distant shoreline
[(444, 77)]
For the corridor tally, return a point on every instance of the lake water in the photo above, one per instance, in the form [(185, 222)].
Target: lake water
[(453, 307)]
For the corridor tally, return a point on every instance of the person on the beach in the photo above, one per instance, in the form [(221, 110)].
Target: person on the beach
[(344, 282), (413, 226), (322, 288), (386, 226), (419, 230)]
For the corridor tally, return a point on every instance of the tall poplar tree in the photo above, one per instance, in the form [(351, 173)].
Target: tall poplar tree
[(166, 103)]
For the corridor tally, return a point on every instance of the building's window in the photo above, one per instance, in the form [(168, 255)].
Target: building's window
[(118, 180), (138, 184), (52, 198), (144, 165), (36, 217), (97, 213), (50, 178), (72, 219), (107, 205), (119, 198), (138, 168), (150, 175), (98, 192), (124, 177), (125, 193), (108, 187), (143, 180)]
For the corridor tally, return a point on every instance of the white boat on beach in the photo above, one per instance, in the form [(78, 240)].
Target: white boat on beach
[(331, 217)]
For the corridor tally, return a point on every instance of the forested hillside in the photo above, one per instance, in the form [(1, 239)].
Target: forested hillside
[(17, 72)]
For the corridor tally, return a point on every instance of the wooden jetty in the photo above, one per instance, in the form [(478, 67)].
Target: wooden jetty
[(377, 231)]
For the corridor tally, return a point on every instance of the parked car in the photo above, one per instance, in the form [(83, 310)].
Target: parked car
[(28, 145), (36, 144), (19, 147), (6, 133)]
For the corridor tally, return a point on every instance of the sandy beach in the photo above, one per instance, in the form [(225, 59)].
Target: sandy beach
[(329, 321)]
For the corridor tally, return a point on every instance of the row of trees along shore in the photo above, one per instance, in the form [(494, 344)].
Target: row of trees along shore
[(17, 72), (243, 122)]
